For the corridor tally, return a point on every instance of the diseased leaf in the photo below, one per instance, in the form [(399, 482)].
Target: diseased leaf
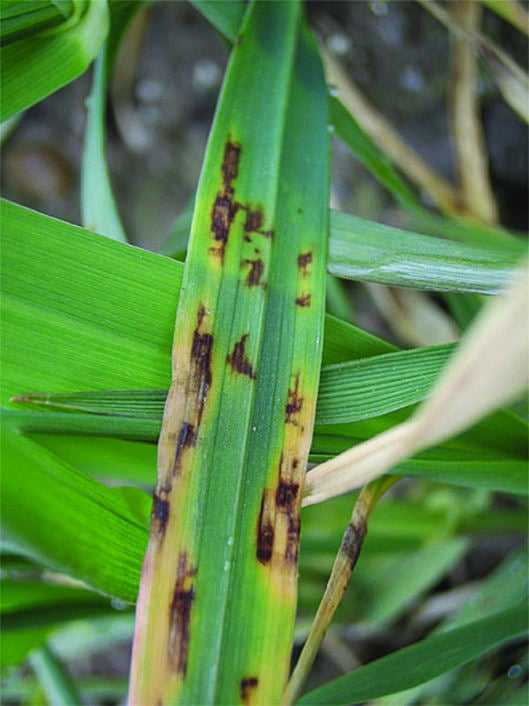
[(225, 526)]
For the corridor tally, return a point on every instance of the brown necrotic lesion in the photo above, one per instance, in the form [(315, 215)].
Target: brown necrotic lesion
[(225, 207), (238, 360), (180, 615), (304, 260), (186, 439), (161, 508), (303, 300), (247, 686), (201, 350), (287, 500), (265, 529), (255, 272), (294, 402)]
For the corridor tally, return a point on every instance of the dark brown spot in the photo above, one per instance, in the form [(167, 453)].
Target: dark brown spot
[(253, 279), (247, 684), (201, 358), (294, 402), (238, 360), (265, 532), (160, 512), (230, 163), (304, 300), (186, 438), (254, 221), (352, 541), (295, 463), (293, 530), (286, 494), (180, 615), (225, 207), (287, 503), (304, 260), (222, 215)]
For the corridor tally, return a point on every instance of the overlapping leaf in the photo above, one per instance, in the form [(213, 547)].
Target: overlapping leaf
[(35, 66)]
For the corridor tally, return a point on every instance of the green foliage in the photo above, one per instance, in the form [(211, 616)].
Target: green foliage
[(35, 66), (366, 251), (422, 661)]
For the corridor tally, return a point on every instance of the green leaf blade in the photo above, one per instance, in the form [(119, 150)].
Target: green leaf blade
[(366, 251), (51, 59), (422, 661)]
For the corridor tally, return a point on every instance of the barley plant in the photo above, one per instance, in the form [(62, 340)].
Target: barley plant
[(218, 487)]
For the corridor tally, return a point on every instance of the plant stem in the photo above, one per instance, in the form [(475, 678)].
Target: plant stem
[(468, 135), (342, 569)]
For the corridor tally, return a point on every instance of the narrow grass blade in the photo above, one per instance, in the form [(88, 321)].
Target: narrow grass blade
[(338, 301), (499, 591), (36, 66), (32, 610), (98, 207), (348, 392), (20, 19), (176, 243), (464, 309), (106, 519), (93, 690), (371, 156), (22, 591), (512, 11), (225, 524), (402, 581), (363, 389), (56, 682), (422, 661), (367, 251)]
